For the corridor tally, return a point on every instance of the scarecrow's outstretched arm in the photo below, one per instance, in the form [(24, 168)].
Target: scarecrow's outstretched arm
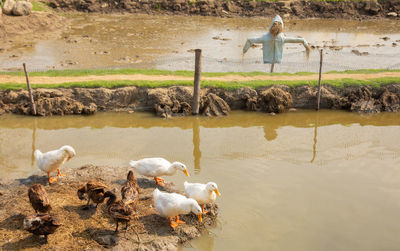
[(251, 41), (297, 40)]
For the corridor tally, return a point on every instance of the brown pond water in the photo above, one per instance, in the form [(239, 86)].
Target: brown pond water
[(166, 42), (296, 181)]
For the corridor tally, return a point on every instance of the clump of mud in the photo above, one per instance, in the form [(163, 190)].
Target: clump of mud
[(92, 229), (47, 103), (173, 101), (213, 106), (272, 100)]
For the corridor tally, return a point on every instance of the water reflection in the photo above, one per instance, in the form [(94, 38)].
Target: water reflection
[(301, 119), (270, 132), (55, 127), (315, 136), (33, 142), (196, 145)]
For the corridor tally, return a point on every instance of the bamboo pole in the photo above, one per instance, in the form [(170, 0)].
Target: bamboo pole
[(30, 91), (196, 85), (319, 79), (272, 67)]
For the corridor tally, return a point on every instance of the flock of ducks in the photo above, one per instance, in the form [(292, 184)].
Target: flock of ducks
[(169, 205)]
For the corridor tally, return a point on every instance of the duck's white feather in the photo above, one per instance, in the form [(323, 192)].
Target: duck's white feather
[(50, 161), (153, 167), (199, 192), (173, 204)]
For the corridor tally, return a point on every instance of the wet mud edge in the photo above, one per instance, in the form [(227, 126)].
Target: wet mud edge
[(177, 100)]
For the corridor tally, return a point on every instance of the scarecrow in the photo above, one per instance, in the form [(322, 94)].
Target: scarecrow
[(273, 43)]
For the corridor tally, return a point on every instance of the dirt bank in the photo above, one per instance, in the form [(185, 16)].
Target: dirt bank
[(297, 8), (177, 100), (36, 25), (90, 229)]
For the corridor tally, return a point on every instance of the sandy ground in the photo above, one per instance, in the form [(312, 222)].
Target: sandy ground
[(56, 80)]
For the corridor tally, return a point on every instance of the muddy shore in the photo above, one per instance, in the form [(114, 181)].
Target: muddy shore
[(91, 229), (177, 100), (37, 24), (298, 9)]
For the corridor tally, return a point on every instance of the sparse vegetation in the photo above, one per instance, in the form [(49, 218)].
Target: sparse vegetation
[(39, 6)]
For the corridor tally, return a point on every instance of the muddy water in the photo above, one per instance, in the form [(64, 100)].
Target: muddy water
[(166, 42), (296, 181)]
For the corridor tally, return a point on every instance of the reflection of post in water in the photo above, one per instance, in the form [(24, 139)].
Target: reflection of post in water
[(33, 141), (196, 144), (315, 138), (270, 132)]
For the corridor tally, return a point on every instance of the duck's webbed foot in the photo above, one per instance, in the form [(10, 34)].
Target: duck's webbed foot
[(159, 181), (59, 173), (179, 221), (171, 223), (51, 180), (202, 209)]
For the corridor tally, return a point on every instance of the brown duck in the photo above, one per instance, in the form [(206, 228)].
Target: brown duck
[(41, 224), (39, 198), (118, 210), (130, 191), (95, 191)]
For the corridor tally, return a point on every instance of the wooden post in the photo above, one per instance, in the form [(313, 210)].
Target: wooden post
[(272, 67), (30, 91), (197, 75), (319, 79)]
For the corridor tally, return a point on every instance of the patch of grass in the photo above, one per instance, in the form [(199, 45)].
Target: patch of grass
[(219, 84), (364, 71), (158, 6), (39, 6)]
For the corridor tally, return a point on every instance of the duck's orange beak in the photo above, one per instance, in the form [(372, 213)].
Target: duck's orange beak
[(68, 158), (186, 172), (200, 217), (217, 192)]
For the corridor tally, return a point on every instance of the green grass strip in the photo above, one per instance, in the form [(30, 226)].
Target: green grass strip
[(74, 73), (219, 84)]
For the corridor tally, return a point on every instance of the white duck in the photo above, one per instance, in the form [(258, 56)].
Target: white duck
[(202, 193), (153, 167), (52, 160), (170, 205)]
